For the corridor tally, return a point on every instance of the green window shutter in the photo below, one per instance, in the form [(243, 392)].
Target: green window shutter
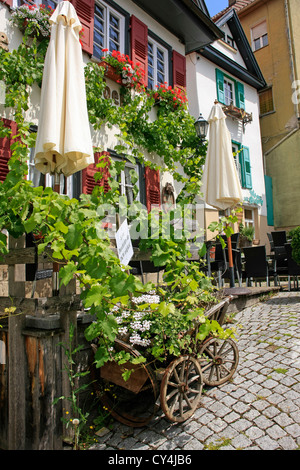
[(220, 86), (240, 95), (269, 198), (246, 168)]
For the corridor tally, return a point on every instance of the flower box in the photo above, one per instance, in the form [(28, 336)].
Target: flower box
[(110, 71)]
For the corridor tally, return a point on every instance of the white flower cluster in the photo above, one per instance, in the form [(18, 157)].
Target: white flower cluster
[(136, 339), (134, 323), (33, 14), (150, 298)]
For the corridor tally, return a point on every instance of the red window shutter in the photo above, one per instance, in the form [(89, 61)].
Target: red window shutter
[(85, 11), (152, 183), (88, 180), (8, 2), (179, 70), (5, 151), (139, 45)]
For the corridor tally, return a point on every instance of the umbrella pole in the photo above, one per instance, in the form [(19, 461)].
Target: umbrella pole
[(55, 277), (230, 260)]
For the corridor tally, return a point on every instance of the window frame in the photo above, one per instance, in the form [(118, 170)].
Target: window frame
[(260, 94), (228, 82), (158, 45), (108, 9), (254, 39), (238, 89), (244, 161)]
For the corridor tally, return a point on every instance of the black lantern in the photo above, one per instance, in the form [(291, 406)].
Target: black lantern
[(201, 127)]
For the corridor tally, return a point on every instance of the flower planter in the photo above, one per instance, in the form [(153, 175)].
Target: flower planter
[(110, 72)]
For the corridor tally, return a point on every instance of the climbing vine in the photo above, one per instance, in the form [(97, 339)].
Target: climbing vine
[(73, 229)]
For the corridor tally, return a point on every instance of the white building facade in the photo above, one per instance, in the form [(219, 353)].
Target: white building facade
[(226, 71)]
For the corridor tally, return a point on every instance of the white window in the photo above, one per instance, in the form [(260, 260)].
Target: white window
[(126, 182), (108, 30), (235, 151), (259, 36), (229, 91), (157, 64), (249, 218)]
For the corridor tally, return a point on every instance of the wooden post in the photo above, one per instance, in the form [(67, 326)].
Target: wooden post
[(16, 357)]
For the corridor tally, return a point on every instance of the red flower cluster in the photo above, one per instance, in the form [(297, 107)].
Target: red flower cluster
[(126, 67), (168, 93)]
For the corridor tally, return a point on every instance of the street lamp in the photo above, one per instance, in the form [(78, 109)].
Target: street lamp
[(201, 127)]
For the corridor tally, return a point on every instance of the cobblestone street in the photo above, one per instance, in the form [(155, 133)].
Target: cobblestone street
[(258, 410)]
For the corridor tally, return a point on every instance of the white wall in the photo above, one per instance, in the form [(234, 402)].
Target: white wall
[(202, 92)]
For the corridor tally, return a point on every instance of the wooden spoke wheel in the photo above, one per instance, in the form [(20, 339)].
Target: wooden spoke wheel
[(219, 360), (181, 388), (131, 402)]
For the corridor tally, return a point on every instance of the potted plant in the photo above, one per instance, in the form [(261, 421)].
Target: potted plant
[(32, 20), (121, 69), (246, 235)]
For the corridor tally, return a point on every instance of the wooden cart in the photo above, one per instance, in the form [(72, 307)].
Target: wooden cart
[(176, 388)]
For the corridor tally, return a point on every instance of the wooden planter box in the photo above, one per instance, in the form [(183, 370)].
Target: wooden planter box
[(110, 72)]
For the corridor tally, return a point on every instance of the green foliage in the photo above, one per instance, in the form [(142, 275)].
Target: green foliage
[(72, 229), (295, 244)]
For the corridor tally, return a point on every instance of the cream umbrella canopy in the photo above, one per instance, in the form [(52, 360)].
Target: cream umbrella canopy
[(220, 182), (64, 142)]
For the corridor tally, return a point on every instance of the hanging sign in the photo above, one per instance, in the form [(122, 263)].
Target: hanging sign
[(124, 245)]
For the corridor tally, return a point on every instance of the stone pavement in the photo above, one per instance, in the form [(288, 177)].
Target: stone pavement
[(258, 410)]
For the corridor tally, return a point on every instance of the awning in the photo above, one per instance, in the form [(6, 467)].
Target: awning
[(185, 20)]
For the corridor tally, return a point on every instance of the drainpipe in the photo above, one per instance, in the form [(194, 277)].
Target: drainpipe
[(291, 44)]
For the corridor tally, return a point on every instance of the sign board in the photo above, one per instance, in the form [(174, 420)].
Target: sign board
[(124, 245)]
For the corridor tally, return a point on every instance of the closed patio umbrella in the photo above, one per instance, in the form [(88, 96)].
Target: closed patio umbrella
[(64, 144), (220, 183)]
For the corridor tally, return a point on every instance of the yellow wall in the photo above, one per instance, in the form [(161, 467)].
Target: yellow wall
[(279, 63), (274, 62), (285, 172)]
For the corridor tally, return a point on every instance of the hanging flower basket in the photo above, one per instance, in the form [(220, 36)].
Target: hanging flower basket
[(110, 71)]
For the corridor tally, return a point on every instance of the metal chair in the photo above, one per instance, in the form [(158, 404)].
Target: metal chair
[(279, 238), (256, 265), (293, 267), (271, 242)]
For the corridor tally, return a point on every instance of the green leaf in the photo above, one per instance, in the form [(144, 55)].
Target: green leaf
[(66, 273)]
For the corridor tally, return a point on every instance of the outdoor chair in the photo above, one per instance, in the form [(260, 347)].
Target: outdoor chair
[(280, 261), (256, 265), (293, 267), (216, 264), (279, 238), (237, 266), (271, 242)]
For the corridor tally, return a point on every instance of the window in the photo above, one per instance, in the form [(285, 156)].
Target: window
[(230, 41), (126, 182), (108, 30), (157, 64), (229, 90), (259, 36), (266, 101), (249, 218), (241, 155)]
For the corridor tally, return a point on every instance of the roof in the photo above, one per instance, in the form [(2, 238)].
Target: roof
[(186, 19), (238, 6), (251, 73)]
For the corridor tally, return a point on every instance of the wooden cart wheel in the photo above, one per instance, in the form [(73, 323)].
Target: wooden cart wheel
[(219, 360), (133, 408), (181, 388)]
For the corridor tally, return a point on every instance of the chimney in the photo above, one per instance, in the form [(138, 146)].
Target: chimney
[(231, 2)]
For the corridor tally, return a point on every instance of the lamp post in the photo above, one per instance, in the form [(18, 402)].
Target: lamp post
[(201, 127)]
